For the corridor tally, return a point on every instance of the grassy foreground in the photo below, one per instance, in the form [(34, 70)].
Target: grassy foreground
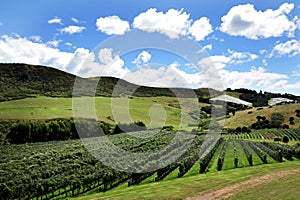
[(191, 186)]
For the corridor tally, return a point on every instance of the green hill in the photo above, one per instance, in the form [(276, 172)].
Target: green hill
[(19, 81)]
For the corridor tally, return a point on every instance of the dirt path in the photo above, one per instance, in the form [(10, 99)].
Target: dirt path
[(230, 190)]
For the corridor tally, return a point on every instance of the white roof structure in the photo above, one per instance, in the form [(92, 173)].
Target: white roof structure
[(279, 100), (231, 99)]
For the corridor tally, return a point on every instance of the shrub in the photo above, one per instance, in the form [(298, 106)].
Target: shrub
[(277, 119), (277, 139), (285, 139), (285, 126), (238, 130)]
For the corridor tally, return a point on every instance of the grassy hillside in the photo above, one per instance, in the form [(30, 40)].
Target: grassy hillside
[(41, 108), (22, 80), (243, 118)]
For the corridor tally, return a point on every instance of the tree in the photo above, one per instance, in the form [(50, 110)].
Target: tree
[(277, 139), (285, 126), (285, 139), (238, 130), (292, 120), (277, 119), (258, 118)]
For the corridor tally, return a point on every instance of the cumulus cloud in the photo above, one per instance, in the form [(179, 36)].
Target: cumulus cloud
[(22, 50), (81, 62), (55, 20), (201, 28), (219, 62), (256, 77), (108, 64), (173, 23), (142, 58), (290, 48), (112, 25), (245, 20), (72, 29)]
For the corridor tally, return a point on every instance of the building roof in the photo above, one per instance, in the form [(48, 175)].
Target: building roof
[(279, 100), (227, 98)]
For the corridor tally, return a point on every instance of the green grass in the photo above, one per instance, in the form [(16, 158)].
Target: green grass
[(286, 188), (193, 185), (140, 109)]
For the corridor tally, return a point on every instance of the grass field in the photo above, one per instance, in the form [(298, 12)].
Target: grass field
[(242, 118), (194, 185), (160, 109)]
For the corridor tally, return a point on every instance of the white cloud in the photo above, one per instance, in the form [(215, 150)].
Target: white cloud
[(173, 23), (245, 20), (219, 62), (55, 20), (233, 57), (72, 29), (241, 57), (75, 20), (142, 58), (256, 77), (53, 43), (112, 25), (22, 50), (201, 28), (81, 62), (108, 65), (36, 38), (69, 44), (290, 48), (207, 47), (163, 76)]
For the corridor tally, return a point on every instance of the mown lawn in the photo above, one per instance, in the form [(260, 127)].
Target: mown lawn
[(190, 186)]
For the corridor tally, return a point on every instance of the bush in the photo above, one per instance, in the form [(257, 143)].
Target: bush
[(285, 126), (285, 139), (277, 139), (276, 120), (238, 130), (136, 126)]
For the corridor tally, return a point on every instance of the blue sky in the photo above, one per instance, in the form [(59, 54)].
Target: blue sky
[(252, 44)]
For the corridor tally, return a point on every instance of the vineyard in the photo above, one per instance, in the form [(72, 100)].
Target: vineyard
[(268, 134), (68, 168)]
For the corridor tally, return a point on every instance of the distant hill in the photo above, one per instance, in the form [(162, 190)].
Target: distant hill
[(22, 80), (248, 117)]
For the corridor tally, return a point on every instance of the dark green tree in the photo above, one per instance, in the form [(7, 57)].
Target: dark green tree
[(285, 139)]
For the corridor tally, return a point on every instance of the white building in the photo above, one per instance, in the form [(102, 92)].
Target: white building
[(280, 101)]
